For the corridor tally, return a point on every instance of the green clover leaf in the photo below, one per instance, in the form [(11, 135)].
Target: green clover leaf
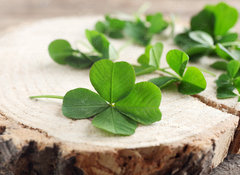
[(113, 121), (150, 60), (142, 104), (119, 105), (193, 82), (233, 68), (62, 52), (177, 60), (100, 43), (227, 83), (82, 103), (112, 81), (209, 33)]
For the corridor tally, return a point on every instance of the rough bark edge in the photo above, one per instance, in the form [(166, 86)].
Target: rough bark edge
[(235, 144), (231, 165), (49, 156), (30, 160)]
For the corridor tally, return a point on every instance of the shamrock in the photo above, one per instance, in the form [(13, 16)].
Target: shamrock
[(210, 33), (62, 52), (229, 81), (119, 104), (138, 30), (190, 80)]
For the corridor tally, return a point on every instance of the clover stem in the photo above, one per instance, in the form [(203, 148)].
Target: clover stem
[(231, 43), (125, 45), (47, 96), (142, 9), (86, 45), (172, 26), (167, 72), (208, 72)]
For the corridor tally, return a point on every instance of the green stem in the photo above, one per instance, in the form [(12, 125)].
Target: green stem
[(208, 72), (142, 9), (231, 43), (86, 45), (47, 96), (125, 45), (172, 26), (169, 73)]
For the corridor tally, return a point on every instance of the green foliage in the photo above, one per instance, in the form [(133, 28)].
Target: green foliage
[(108, 78), (150, 60), (189, 80), (142, 104), (112, 27), (119, 105), (113, 121), (138, 30), (62, 52), (177, 60), (157, 23), (163, 81), (82, 101), (209, 33), (219, 65), (227, 83), (100, 43), (193, 82), (202, 38)]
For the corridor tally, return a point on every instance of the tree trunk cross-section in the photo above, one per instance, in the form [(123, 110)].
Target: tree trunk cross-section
[(36, 139)]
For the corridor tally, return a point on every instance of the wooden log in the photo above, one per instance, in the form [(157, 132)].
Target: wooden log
[(35, 138)]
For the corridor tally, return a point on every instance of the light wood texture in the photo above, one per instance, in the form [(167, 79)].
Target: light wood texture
[(191, 138), (209, 97)]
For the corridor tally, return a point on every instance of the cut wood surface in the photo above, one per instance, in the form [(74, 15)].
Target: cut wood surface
[(191, 138), (209, 97)]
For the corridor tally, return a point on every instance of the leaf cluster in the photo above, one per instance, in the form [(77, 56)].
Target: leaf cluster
[(119, 104), (228, 82), (138, 30), (210, 34), (190, 80), (62, 52)]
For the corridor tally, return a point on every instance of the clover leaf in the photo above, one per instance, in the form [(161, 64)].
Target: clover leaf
[(202, 38), (216, 20), (82, 101), (62, 52), (142, 104), (112, 81), (163, 81), (100, 43), (189, 80), (177, 60), (119, 104), (115, 122), (193, 82), (219, 65), (150, 60), (209, 33), (138, 30), (227, 83), (157, 23), (112, 27)]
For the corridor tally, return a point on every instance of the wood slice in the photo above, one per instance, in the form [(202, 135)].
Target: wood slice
[(208, 97), (35, 138)]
